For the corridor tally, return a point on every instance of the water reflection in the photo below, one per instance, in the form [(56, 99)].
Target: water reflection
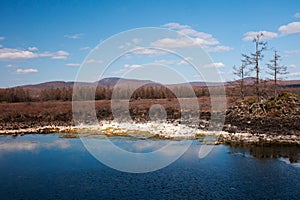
[(135, 156), (12, 145), (61, 168), (290, 154)]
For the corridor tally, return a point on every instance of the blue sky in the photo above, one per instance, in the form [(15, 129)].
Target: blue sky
[(48, 40)]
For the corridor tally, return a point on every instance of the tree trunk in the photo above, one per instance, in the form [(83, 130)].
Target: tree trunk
[(257, 74)]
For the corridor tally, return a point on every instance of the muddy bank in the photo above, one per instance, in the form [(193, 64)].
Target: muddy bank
[(263, 125), (233, 123), (258, 139), (279, 116), (168, 131)]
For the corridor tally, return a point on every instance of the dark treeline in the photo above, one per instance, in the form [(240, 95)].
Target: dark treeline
[(146, 92), (65, 94), (15, 95)]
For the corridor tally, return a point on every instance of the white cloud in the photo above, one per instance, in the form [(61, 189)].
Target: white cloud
[(294, 74), (292, 52), (219, 49), (16, 54), (136, 40), (45, 54), (89, 61), (267, 35), (2, 38), (84, 48), (73, 64), (185, 61), (9, 54), (193, 33), (147, 51), (292, 66), (132, 43), (174, 25), (32, 48), (181, 42), (74, 36), (125, 46), (56, 55), (120, 71), (214, 65), (126, 68), (291, 28), (10, 66), (26, 71), (60, 55), (195, 38), (297, 15), (164, 62), (205, 40)]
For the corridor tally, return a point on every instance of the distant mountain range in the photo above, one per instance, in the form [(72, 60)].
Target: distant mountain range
[(106, 82), (127, 83)]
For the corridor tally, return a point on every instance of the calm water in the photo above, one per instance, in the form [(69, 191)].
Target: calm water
[(49, 167)]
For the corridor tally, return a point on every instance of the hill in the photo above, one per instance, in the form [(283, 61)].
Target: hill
[(129, 83)]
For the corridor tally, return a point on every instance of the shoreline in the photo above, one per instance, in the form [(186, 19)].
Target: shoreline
[(153, 131), (277, 116)]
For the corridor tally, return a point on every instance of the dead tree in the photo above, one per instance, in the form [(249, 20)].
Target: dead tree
[(276, 70), (254, 60), (240, 72)]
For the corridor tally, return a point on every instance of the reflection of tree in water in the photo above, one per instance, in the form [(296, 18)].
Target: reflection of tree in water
[(270, 151)]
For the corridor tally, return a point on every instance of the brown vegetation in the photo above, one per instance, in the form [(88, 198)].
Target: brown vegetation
[(32, 114), (280, 114), (148, 91), (54, 106)]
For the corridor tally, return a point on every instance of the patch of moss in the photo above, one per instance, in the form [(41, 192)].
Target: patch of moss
[(287, 96), (249, 100), (268, 105), (276, 102)]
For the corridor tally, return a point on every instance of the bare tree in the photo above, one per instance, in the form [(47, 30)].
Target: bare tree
[(240, 72), (276, 69), (254, 59)]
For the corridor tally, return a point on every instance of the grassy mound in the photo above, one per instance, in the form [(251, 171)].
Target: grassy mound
[(283, 105)]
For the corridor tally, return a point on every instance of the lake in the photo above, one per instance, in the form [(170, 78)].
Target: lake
[(51, 167)]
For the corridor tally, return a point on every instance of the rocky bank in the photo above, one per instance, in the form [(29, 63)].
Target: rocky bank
[(275, 120)]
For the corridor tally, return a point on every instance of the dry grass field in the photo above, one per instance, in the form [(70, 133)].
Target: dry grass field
[(26, 114)]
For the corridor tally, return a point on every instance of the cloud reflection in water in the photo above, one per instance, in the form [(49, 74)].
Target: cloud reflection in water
[(11, 146)]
